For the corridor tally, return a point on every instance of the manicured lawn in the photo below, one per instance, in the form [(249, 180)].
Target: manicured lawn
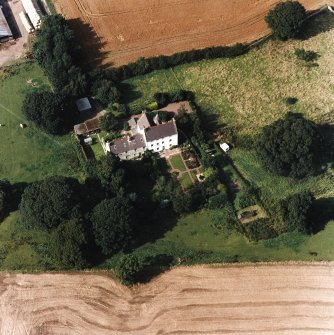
[(186, 181), (97, 147), (29, 154), (177, 163)]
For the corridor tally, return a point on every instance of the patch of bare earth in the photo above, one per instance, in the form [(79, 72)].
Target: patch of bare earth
[(129, 29), (242, 299)]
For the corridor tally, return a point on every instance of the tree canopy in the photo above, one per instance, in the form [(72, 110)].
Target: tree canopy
[(112, 222), (286, 19), (287, 146), (294, 211), (47, 111), (128, 268), (57, 52), (47, 203), (66, 245), (4, 195)]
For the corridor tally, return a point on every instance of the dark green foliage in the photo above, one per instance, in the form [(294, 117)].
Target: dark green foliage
[(4, 197), (112, 221), (287, 146), (295, 210), (260, 229), (249, 197), (291, 101), (106, 92), (146, 65), (47, 111), (182, 202), (57, 52), (47, 203), (217, 201), (164, 98), (128, 268), (66, 245), (286, 19), (108, 122), (307, 56)]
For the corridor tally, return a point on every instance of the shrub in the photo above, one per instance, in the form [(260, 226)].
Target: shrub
[(286, 19), (260, 229), (291, 101), (128, 268), (295, 210), (307, 56), (217, 201)]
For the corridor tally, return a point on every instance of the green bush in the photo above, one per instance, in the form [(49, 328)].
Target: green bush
[(260, 229), (128, 268), (307, 56), (217, 201)]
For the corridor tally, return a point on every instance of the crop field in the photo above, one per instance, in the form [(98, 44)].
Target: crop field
[(117, 32), (249, 299)]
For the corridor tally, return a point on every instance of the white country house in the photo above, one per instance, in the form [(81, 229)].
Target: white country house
[(144, 136)]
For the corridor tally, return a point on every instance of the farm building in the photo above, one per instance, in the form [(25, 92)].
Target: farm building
[(26, 22), (33, 11), (144, 136), (5, 32), (83, 105)]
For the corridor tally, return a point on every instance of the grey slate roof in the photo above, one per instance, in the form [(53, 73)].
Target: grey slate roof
[(4, 27), (126, 144), (161, 131), (143, 121)]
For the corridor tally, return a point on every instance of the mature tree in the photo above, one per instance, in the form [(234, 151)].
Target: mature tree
[(47, 203), (286, 19), (66, 245), (182, 202), (112, 221), (128, 268), (109, 122), (47, 110), (57, 52), (287, 146), (106, 92), (294, 211)]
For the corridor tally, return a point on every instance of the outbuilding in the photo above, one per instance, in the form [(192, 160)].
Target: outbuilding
[(225, 147), (83, 105)]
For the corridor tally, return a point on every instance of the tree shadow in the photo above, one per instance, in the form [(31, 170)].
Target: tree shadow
[(128, 93), (325, 153), (91, 54), (321, 213), (317, 24)]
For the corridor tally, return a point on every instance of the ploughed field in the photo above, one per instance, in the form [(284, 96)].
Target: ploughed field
[(242, 299), (117, 32)]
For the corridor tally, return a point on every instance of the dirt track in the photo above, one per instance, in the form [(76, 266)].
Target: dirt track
[(130, 29), (262, 299)]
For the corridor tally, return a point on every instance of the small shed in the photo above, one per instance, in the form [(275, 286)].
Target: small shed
[(225, 147), (83, 105)]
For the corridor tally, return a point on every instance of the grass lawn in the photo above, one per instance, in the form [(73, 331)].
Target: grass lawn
[(177, 163), (17, 246), (194, 231), (276, 186), (97, 147), (29, 154), (185, 180)]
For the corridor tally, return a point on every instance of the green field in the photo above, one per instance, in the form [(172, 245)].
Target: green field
[(29, 154), (249, 92)]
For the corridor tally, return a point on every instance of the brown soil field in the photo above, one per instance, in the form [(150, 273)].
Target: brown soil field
[(289, 299), (117, 32)]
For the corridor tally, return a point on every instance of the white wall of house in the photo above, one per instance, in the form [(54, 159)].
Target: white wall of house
[(163, 143)]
